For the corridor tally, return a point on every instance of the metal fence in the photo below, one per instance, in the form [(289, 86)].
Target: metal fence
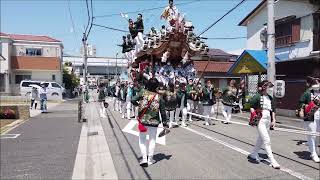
[(253, 83)]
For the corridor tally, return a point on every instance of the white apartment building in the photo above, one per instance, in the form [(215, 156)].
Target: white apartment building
[(28, 57)]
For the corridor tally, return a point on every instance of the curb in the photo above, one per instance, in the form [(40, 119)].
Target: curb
[(7, 128)]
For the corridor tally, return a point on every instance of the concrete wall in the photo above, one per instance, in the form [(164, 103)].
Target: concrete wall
[(47, 50), (5, 51), (284, 8)]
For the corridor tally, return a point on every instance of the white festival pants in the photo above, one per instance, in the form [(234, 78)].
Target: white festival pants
[(184, 114), (103, 110), (171, 117), (208, 111), (115, 104), (147, 150), (123, 106), (227, 110), (313, 126), (264, 138), (190, 106), (129, 107)]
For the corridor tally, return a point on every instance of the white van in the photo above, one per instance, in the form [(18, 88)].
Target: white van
[(55, 90)]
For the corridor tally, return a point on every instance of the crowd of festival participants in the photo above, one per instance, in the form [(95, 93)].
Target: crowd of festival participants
[(170, 103), (164, 93)]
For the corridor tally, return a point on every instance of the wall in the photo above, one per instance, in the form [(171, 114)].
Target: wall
[(48, 50), (283, 9), (46, 76), (35, 62), (5, 51)]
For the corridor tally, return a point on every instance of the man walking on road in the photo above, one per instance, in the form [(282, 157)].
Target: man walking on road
[(151, 113), (264, 104)]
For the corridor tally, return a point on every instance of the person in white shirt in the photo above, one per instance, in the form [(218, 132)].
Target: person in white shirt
[(263, 105), (43, 97), (34, 97), (170, 13)]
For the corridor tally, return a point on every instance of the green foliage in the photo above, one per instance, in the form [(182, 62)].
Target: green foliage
[(68, 64), (70, 80)]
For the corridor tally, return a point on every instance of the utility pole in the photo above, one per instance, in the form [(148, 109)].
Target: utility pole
[(85, 59), (271, 71), (117, 67)]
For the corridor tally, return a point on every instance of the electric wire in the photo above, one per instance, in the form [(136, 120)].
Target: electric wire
[(221, 17)]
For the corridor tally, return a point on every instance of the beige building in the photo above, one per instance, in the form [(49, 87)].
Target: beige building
[(28, 57)]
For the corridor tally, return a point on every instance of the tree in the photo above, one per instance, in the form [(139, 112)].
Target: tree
[(70, 79)]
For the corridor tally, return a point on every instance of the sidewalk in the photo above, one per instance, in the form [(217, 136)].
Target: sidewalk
[(46, 146), (93, 159)]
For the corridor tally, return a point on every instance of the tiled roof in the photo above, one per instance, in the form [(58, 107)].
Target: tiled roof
[(30, 37), (3, 34), (217, 52), (213, 66)]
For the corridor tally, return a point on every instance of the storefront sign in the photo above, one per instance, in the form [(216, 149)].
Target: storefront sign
[(248, 65)]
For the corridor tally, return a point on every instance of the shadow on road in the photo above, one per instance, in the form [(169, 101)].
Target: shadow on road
[(160, 156), (303, 154)]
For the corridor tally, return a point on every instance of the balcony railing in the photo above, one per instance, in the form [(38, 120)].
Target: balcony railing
[(283, 40)]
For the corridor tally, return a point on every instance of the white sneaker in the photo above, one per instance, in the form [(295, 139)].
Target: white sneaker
[(275, 164), (122, 116), (315, 158), (151, 161), (144, 163), (253, 158), (170, 125), (207, 124), (183, 125)]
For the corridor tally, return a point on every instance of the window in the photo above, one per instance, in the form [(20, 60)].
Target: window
[(53, 77), (33, 51), (27, 83), (19, 78), (287, 32), (46, 84), (55, 85)]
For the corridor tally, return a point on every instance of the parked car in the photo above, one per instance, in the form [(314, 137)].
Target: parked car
[(55, 90)]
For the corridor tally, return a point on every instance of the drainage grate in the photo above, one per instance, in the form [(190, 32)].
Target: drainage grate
[(93, 133)]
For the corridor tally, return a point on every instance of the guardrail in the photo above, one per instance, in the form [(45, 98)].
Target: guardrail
[(244, 124)]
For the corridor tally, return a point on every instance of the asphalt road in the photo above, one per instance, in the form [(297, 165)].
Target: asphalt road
[(207, 152), (46, 148)]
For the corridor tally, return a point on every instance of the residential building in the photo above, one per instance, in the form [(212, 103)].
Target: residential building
[(214, 66), (297, 44), (29, 57)]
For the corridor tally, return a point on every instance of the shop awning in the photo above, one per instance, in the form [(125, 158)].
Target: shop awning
[(250, 62)]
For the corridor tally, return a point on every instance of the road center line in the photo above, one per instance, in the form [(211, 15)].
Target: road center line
[(289, 171)]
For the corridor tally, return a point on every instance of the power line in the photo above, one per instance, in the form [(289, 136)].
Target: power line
[(224, 38), (91, 19), (221, 17), (72, 23), (143, 10), (88, 13), (111, 28)]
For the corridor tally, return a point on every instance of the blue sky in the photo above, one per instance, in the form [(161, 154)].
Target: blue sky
[(52, 18)]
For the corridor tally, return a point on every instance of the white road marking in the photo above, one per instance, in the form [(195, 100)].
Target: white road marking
[(129, 128), (9, 136), (289, 171)]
